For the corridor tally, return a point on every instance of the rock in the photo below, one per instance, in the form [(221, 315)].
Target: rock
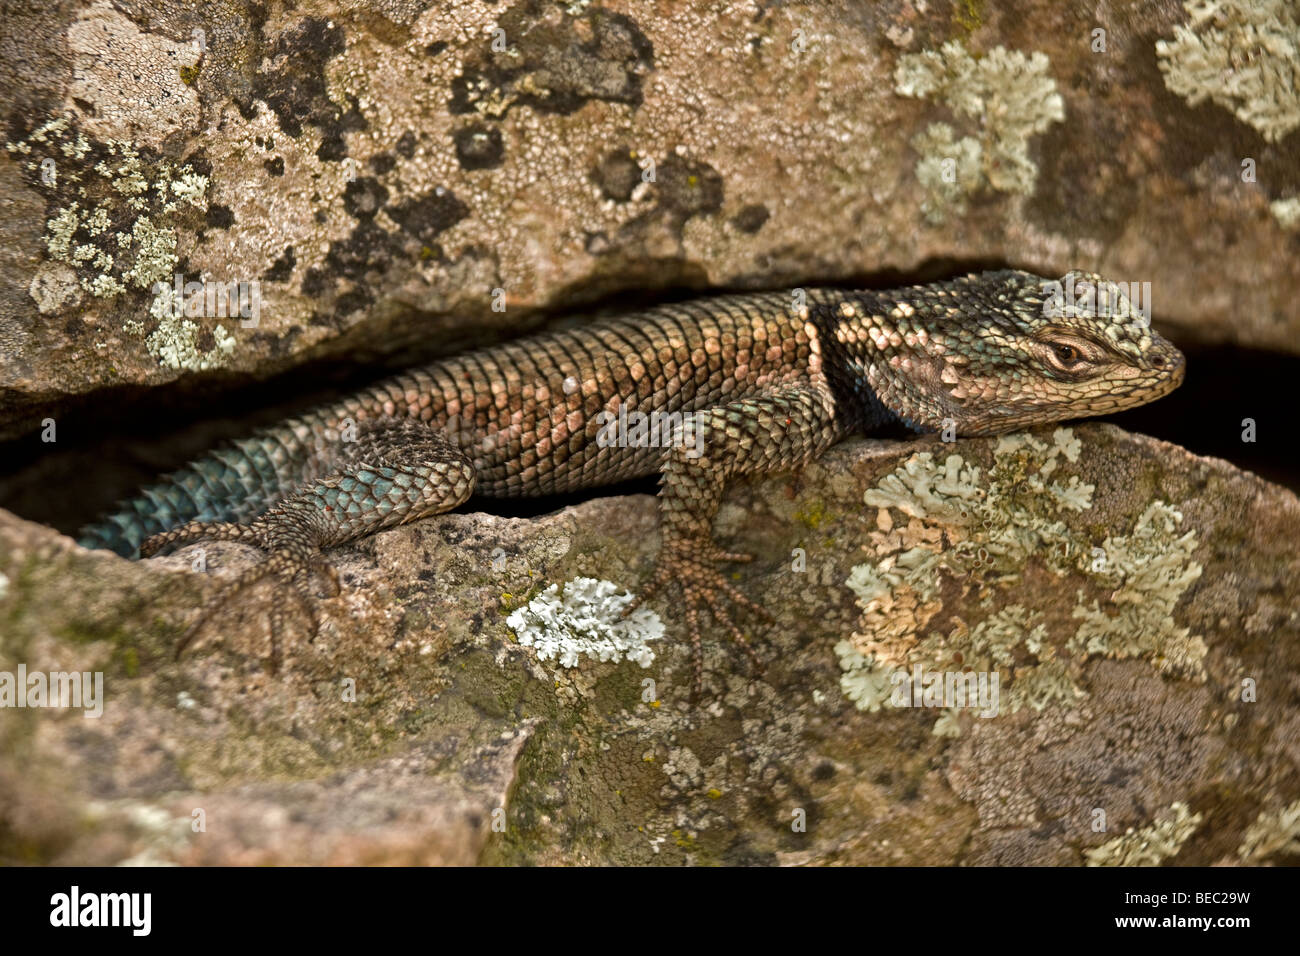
[(381, 183), (1135, 601)]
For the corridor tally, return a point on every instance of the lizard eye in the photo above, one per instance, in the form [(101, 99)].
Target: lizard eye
[(1067, 356)]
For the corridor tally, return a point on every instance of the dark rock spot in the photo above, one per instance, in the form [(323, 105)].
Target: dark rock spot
[(275, 166), (682, 189), (364, 197), (282, 268), (200, 163), (689, 188), (479, 147), (366, 247), (333, 146), (751, 218), (382, 163), (426, 216), (296, 89), (219, 217), (556, 67), (315, 282), (353, 301), (433, 49), (406, 145), (617, 175)]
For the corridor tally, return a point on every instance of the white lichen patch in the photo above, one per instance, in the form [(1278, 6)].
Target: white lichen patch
[(1274, 831), (1151, 845), (1009, 95), (1286, 212), (945, 522), (563, 623), (1243, 55), (130, 79), (53, 286)]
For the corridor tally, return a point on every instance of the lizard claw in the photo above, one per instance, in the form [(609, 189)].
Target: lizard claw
[(689, 564), (294, 564), (282, 564)]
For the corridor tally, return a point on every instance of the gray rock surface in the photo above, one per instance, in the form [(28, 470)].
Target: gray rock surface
[(1137, 603), (391, 174)]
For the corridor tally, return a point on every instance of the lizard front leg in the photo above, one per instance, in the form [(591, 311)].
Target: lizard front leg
[(397, 470), (762, 434)]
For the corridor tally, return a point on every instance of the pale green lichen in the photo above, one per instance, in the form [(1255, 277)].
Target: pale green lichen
[(1010, 96), (122, 186), (1146, 573), (174, 342), (189, 187), (862, 682), (1243, 55), (1274, 831), (155, 256), (949, 169), (1151, 845), (980, 531), (947, 725), (53, 286)]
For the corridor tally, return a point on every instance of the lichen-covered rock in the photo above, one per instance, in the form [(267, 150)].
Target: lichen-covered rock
[(464, 699), (233, 188)]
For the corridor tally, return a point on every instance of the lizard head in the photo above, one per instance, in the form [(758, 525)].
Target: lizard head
[(1003, 350)]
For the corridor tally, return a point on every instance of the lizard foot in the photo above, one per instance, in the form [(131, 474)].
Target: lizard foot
[(689, 564), (292, 562)]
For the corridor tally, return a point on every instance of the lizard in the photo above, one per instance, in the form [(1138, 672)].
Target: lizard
[(764, 382)]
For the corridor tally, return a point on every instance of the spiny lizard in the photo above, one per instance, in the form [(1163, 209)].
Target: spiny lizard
[(763, 382)]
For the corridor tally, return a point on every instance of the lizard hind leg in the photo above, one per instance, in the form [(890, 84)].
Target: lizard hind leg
[(394, 472), (761, 434)]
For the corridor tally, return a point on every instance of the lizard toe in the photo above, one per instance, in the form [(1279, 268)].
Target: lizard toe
[(688, 564), (292, 569)]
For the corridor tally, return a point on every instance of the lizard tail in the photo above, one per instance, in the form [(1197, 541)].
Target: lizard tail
[(235, 483)]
